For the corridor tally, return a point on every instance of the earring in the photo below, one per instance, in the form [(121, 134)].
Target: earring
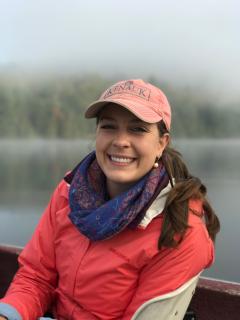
[(155, 166)]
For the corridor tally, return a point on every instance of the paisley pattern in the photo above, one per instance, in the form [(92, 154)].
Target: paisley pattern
[(98, 217)]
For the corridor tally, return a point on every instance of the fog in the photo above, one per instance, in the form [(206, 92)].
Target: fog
[(189, 43)]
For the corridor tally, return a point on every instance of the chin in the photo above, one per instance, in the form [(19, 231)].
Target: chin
[(122, 179)]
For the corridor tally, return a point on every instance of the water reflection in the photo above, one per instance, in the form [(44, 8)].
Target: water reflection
[(38, 164), (29, 171)]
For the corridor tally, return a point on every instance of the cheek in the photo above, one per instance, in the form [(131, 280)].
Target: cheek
[(100, 147), (99, 154), (99, 142), (99, 151), (151, 148), (99, 157)]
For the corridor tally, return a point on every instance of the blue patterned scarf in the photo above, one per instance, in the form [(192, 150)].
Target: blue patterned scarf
[(98, 217)]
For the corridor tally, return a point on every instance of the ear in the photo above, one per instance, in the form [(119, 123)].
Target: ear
[(164, 141)]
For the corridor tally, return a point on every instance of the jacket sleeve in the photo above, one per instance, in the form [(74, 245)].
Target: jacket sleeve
[(32, 289), (172, 267)]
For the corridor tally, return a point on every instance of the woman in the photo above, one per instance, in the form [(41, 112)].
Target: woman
[(128, 224)]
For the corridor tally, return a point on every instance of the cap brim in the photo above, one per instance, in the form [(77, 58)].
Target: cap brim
[(139, 110)]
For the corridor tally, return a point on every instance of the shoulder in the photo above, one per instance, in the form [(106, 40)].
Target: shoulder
[(59, 197), (62, 189), (197, 243), (58, 201), (196, 251), (196, 221)]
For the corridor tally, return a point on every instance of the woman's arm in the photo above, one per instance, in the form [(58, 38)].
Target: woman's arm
[(31, 291)]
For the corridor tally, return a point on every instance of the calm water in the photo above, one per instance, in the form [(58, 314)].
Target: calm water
[(30, 169)]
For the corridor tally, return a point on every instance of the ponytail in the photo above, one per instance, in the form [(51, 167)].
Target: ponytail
[(184, 187)]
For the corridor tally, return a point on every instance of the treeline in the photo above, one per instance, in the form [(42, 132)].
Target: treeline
[(53, 107)]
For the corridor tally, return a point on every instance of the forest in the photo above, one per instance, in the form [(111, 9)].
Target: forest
[(53, 107)]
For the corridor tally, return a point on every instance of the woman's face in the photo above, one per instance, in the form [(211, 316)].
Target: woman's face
[(126, 147)]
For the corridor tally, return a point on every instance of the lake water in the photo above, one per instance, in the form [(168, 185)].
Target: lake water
[(30, 170)]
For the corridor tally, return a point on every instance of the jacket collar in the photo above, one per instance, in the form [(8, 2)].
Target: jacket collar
[(156, 207), (69, 175)]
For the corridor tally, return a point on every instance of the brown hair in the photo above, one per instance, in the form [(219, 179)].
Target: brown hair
[(184, 187)]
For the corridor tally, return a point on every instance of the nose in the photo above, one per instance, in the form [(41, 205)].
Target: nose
[(121, 140)]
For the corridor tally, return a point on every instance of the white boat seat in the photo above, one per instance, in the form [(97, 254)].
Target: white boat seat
[(170, 306)]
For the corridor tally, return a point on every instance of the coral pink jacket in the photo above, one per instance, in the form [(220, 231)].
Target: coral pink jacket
[(109, 279)]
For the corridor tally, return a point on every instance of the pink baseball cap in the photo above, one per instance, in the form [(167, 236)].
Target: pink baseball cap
[(144, 100)]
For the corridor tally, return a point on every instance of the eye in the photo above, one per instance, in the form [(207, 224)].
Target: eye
[(107, 126)]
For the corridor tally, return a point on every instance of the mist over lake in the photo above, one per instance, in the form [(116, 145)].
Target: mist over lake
[(30, 170)]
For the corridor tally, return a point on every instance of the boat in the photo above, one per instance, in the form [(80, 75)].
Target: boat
[(213, 299), (8, 265)]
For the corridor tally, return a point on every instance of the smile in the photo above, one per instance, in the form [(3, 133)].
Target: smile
[(119, 159)]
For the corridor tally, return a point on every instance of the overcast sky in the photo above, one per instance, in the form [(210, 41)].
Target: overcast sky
[(182, 41)]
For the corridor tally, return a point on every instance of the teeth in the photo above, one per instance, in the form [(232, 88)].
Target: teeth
[(123, 160)]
